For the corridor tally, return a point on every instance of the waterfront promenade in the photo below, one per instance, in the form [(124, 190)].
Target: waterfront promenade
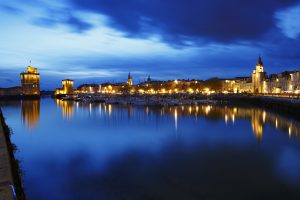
[(6, 178)]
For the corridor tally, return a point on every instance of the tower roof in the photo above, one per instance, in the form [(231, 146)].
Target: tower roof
[(259, 62)]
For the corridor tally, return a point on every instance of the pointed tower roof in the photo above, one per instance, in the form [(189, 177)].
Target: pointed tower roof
[(129, 75), (259, 62)]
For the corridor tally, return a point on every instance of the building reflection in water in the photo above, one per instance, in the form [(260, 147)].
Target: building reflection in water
[(129, 111), (67, 108), (175, 118), (257, 117), (30, 113)]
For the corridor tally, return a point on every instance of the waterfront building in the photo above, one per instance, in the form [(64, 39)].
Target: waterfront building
[(108, 87), (259, 82), (30, 82), (229, 86), (282, 83), (258, 78), (244, 85), (295, 81), (89, 89), (104, 88), (129, 80), (238, 85), (170, 86), (149, 78), (67, 89), (114, 88)]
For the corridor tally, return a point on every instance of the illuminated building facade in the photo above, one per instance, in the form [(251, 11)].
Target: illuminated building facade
[(30, 82), (108, 87), (238, 85), (258, 78), (117, 88), (67, 89), (172, 87), (287, 82), (258, 82), (105, 88), (129, 80), (153, 87), (89, 89)]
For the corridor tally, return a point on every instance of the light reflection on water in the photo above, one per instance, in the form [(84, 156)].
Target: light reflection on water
[(258, 117), (98, 151), (30, 113)]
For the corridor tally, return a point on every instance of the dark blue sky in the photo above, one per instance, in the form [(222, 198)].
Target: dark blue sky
[(102, 40)]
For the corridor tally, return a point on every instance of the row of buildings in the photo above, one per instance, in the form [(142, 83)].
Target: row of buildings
[(259, 82), (282, 83)]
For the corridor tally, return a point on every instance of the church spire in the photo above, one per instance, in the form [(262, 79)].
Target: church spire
[(129, 81), (259, 62)]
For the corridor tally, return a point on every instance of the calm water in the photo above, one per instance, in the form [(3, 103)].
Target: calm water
[(71, 151)]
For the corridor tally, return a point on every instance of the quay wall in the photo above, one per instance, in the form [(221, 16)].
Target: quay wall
[(10, 176)]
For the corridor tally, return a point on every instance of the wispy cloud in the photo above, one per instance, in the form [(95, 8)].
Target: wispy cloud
[(288, 21), (84, 73)]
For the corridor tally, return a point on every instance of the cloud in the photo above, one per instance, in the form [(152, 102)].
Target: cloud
[(288, 21), (10, 9), (48, 14), (85, 73), (76, 24), (186, 22)]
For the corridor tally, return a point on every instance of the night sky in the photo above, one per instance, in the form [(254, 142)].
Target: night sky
[(94, 41)]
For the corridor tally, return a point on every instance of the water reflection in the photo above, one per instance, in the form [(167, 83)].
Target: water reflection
[(257, 122), (129, 110), (258, 117), (175, 117), (30, 113), (67, 108), (180, 174), (214, 155)]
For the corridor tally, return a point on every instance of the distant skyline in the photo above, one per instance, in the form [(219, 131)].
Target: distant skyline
[(102, 40)]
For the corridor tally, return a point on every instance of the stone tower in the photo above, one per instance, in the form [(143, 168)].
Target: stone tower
[(30, 82), (258, 77), (129, 80)]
